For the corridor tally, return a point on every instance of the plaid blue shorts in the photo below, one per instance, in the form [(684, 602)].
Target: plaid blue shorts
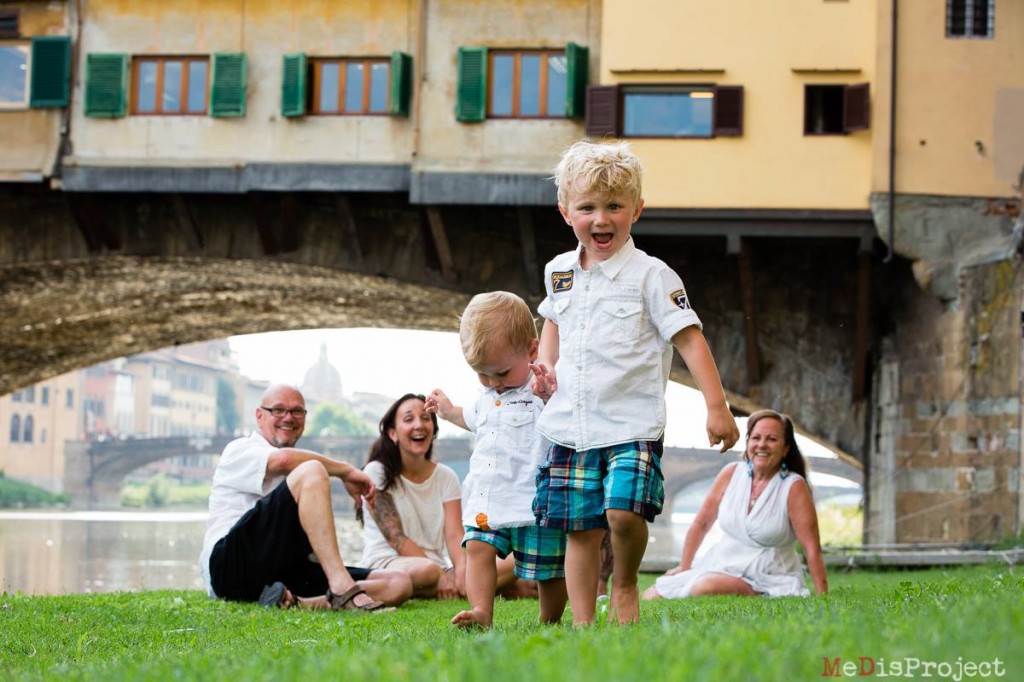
[(574, 489), (539, 552)]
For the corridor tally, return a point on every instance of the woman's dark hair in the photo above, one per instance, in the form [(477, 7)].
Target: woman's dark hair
[(794, 460), (385, 450)]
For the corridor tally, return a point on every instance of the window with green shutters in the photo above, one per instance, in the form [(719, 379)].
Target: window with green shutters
[(521, 83), (293, 85), (346, 86), (51, 71), (106, 81), (228, 81)]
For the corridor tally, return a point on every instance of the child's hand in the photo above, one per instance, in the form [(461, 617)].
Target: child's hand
[(438, 403), (722, 429), (544, 383)]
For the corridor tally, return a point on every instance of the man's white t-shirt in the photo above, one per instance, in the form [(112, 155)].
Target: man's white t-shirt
[(421, 508), (239, 482)]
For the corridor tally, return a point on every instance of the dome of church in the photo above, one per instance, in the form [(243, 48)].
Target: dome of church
[(322, 381)]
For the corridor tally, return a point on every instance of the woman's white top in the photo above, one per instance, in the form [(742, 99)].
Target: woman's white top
[(421, 508)]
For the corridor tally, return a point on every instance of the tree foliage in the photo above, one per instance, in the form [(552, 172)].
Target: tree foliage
[(335, 419), (227, 410)]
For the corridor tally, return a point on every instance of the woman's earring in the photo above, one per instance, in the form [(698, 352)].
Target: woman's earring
[(785, 471), (750, 468)]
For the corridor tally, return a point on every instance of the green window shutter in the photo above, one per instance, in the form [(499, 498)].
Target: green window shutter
[(401, 83), (228, 78), (106, 83), (471, 92), (51, 71), (577, 60), (293, 85)]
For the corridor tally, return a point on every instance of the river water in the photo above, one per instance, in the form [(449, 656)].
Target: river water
[(81, 552)]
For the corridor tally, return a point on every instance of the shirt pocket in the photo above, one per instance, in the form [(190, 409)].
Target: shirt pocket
[(620, 320), (518, 428)]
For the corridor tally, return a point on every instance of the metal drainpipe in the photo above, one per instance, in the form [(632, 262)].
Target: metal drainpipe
[(892, 131)]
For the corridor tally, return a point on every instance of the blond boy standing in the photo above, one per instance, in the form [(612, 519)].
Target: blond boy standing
[(612, 316), (499, 341)]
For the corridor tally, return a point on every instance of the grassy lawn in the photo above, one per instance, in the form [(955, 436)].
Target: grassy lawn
[(955, 617)]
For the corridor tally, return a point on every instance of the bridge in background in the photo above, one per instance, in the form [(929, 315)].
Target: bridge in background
[(95, 471)]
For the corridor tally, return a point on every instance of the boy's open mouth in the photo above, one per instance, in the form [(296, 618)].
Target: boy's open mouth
[(603, 238)]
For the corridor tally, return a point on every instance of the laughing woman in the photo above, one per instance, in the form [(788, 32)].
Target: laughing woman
[(415, 520), (764, 507)]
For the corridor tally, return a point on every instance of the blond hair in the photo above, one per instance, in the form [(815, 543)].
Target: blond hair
[(495, 317), (604, 167)]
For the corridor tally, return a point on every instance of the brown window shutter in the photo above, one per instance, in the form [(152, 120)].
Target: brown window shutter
[(856, 107), (602, 110), (728, 111), (9, 23)]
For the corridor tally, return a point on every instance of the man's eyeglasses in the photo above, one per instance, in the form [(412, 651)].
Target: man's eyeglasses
[(297, 412)]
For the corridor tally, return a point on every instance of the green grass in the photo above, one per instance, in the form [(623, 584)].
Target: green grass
[(15, 494), (975, 614)]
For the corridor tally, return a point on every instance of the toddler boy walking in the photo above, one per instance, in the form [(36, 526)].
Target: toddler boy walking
[(612, 315), (499, 341)]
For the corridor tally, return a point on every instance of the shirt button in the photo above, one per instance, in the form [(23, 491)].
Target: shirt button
[(497, 403)]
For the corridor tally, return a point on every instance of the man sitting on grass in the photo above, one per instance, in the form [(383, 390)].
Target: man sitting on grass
[(270, 536)]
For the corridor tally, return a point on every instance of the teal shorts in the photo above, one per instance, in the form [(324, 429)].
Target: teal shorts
[(574, 489), (539, 552)]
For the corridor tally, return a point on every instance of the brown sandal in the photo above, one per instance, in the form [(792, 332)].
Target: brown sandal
[(346, 600)]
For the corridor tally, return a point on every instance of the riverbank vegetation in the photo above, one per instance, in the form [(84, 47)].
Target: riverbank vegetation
[(159, 492), (950, 620), (19, 495)]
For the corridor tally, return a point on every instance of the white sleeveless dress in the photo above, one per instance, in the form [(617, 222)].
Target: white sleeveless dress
[(759, 547)]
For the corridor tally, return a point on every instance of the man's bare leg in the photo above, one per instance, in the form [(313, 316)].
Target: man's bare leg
[(310, 485)]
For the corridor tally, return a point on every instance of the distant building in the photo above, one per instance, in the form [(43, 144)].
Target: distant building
[(322, 382), (36, 422)]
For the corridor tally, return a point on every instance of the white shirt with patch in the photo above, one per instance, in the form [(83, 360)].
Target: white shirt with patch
[(239, 482), (615, 327), (499, 488)]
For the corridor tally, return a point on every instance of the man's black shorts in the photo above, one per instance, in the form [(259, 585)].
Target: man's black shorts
[(265, 546)]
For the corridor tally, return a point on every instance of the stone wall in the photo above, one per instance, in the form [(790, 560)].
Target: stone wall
[(945, 456)]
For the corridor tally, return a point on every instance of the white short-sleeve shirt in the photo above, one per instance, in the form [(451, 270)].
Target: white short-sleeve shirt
[(421, 508), (615, 327), (239, 481), (499, 488)]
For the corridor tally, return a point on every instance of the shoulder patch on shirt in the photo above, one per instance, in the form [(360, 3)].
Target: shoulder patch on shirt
[(561, 281), (679, 298)]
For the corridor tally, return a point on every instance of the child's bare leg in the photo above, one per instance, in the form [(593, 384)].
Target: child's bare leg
[(481, 576), (552, 600), (629, 542), (582, 564), (606, 564)]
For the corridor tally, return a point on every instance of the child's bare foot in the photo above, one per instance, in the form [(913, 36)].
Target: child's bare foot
[(625, 605), (476, 618)]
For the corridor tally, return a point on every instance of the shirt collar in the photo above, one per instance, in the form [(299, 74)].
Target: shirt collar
[(613, 266)]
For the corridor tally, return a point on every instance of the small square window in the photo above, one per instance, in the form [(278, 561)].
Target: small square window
[(835, 109), (970, 18)]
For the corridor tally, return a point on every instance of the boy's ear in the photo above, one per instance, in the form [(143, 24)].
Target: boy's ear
[(639, 209), (565, 214), (534, 346)]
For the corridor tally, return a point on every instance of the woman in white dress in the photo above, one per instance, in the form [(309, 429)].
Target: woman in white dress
[(764, 507)]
